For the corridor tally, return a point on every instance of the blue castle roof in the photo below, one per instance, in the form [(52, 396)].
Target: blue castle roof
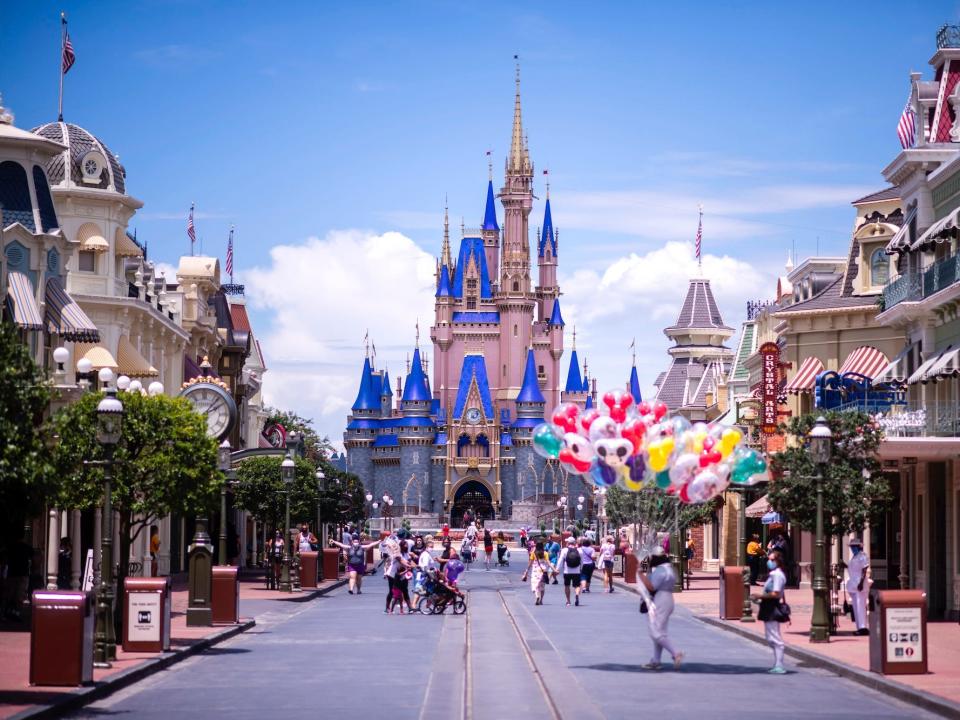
[(472, 247), (490, 214), (385, 391), (416, 387), (368, 397), (574, 382), (555, 317), (474, 367), (386, 441), (530, 390), (443, 286), (635, 386), (589, 403), (472, 316), (547, 234)]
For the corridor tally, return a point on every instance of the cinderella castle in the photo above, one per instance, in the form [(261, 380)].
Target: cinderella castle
[(461, 440)]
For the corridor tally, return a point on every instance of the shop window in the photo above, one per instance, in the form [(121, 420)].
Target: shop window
[(88, 261), (879, 267)]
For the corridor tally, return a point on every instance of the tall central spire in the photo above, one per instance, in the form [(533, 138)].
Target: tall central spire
[(445, 258), (519, 159)]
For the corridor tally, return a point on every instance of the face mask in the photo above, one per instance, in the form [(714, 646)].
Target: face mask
[(772, 564)]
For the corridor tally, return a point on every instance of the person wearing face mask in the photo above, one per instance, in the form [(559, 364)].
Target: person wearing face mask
[(858, 585), (306, 540), (769, 601), (660, 582), (356, 561)]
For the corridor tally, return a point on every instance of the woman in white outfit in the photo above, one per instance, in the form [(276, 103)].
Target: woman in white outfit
[(659, 583), (773, 595)]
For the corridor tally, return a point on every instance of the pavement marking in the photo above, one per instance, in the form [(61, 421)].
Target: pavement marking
[(467, 667)]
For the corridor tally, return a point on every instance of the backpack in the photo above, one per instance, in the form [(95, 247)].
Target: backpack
[(573, 557)]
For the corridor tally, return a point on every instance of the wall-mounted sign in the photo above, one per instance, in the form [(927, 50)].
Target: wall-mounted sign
[(769, 386)]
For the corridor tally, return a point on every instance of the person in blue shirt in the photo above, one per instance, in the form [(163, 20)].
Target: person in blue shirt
[(553, 553)]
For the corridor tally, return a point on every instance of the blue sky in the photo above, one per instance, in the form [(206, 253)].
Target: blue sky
[(345, 122)]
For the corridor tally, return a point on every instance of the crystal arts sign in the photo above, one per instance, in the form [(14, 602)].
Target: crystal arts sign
[(769, 386)]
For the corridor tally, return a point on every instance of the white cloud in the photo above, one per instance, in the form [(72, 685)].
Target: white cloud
[(321, 296)]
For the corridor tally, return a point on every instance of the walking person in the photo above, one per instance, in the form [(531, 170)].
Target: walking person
[(276, 551), (306, 540), (356, 561), (770, 612), (587, 565), (660, 582), (607, 552), (403, 573), (754, 557), (538, 570), (426, 565), (858, 585), (487, 547), (501, 549), (568, 564), (553, 553)]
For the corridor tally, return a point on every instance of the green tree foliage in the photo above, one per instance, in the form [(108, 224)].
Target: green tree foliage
[(854, 491), (24, 457), (315, 447)]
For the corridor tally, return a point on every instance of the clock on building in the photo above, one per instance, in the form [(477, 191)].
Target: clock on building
[(215, 403), (473, 415)]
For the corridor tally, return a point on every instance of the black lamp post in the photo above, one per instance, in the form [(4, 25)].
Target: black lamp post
[(287, 472), (820, 449), (223, 463), (321, 493), (109, 426)]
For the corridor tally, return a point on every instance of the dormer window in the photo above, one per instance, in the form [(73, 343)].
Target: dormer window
[(91, 167), (879, 267), (471, 284)]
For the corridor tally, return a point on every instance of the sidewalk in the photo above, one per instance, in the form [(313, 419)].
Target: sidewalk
[(19, 699), (846, 653)]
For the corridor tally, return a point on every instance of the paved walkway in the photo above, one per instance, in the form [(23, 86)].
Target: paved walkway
[(17, 695), (341, 656)]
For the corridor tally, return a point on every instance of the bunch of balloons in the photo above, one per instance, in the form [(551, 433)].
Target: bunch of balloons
[(641, 446)]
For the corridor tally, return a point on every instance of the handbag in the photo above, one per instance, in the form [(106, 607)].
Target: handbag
[(780, 613), (643, 607)]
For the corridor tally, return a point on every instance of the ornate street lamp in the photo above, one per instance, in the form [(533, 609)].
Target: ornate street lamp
[(321, 492), (288, 470), (223, 464), (109, 426), (820, 448)]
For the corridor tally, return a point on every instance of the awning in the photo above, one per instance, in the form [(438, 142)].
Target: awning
[(22, 303), (896, 371), (900, 242), (941, 231), (126, 247), (97, 354), (65, 318), (922, 372), (96, 244), (805, 377), (866, 361), (947, 365), (759, 508), (131, 362)]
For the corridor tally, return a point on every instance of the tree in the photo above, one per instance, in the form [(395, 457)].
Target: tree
[(855, 492), (24, 456), (655, 509), (315, 447), (165, 463)]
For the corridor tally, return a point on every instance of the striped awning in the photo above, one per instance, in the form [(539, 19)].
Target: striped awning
[(866, 361), (65, 318), (95, 243), (941, 231), (97, 354), (922, 373), (22, 303), (131, 362), (947, 365), (125, 246), (759, 508), (896, 371), (805, 377), (900, 242)]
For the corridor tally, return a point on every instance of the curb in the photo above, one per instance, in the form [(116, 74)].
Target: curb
[(86, 695), (871, 680)]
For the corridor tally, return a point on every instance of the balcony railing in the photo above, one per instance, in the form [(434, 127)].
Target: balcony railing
[(914, 286), (905, 288), (919, 420)]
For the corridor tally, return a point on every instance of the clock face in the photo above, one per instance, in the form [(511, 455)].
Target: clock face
[(215, 405), (473, 416)]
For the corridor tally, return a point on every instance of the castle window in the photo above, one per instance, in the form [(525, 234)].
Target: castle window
[(504, 370), (879, 267), (516, 286), (540, 370), (471, 303), (514, 330), (88, 260), (471, 284)]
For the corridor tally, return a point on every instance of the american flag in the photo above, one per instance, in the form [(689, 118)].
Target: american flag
[(191, 230), (69, 57), (699, 240), (907, 127), (229, 265)]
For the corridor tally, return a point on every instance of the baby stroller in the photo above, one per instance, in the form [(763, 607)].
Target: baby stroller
[(440, 595), (503, 556)]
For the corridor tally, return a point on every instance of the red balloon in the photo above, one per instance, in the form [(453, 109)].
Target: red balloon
[(709, 457), (586, 420), (684, 497), (634, 430), (567, 456), (659, 410), (618, 402), (644, 408), (566, 417), (708, 442)]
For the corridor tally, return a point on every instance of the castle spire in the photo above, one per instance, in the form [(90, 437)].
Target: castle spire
[(490, 212), (445, 258), (519, 159), (530, 389)]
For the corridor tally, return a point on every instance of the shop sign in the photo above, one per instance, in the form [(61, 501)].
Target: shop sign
[(904, 634), (769, 386)]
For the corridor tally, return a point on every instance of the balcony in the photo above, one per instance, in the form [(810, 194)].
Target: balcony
[(917, 286), (917, 420)]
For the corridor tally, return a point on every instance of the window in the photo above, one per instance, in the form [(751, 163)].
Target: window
[(540, 370), (88, 261), (471, 284), (504, 370), (471, 303), (514, 330), (879, 267), (516, 286)]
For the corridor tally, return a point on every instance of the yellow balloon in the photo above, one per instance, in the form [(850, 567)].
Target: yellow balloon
[(729, 441), (631, 485)]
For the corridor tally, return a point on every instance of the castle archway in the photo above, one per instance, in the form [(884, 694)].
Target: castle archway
[(472, 498)]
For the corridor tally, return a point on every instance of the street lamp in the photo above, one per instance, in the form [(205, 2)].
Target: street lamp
[(84, 370), (109, 426), (287, 471), (105, 376), (223, 464), (820, 448), (321, 491)]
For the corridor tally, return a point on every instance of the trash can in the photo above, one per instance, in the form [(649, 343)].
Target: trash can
[(308, 568), (898, 633), (331, 564), (731, 592), (146, 614), (630, 567), (61, 637), (225, 594)]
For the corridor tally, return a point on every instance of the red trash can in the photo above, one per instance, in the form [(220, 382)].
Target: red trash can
[(630, 567), (61, 637), (308, 568), (331, 564), (146, 614), (225, 594)]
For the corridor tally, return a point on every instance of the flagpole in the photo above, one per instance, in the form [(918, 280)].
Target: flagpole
[(63, 44)]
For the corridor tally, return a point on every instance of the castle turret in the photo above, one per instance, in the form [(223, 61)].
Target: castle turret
[(386, 396), (577, 387), (530, 401), (416, 394), (490, 231), (547, 289)]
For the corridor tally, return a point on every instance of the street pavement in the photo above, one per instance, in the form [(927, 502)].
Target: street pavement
[(340, 656)]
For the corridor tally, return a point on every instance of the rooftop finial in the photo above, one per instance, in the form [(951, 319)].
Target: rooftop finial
[(6, 117), (463, 227), (574, 337), (416, 343), (517, 161), (546, 177), (490, 165), (633, 351), (445, 258), (366, 344)]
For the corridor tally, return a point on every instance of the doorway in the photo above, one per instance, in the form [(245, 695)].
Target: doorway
[(472, 500), (937, 540)]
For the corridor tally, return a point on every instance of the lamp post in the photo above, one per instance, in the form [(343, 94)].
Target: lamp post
[(287, 472), (562, 508), (820, 449), (321, 491), (387, 506), (223, 463), (109, 426)]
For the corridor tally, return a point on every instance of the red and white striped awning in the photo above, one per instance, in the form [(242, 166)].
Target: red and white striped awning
[(866, 361), (803, 380)]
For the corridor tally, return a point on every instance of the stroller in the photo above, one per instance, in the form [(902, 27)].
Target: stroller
[(439, 595), (503, 556)]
